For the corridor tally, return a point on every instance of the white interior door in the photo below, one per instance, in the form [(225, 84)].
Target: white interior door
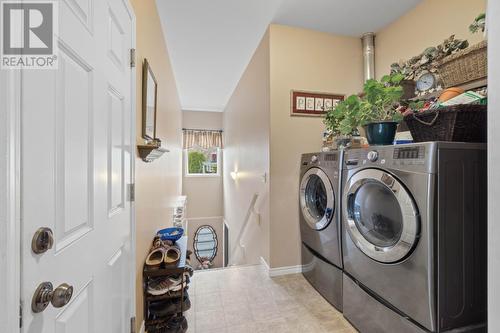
[(77, 159)]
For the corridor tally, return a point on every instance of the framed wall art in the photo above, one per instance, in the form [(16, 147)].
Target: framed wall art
[(149, 102), (312, 104)]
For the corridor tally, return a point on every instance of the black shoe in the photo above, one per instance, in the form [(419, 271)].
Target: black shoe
[(169, 307), (174, 325)]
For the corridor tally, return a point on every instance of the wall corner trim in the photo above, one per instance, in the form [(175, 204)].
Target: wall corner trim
[(280, 271)]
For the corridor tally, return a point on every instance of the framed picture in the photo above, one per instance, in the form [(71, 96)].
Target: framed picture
[(304, 103), (149, 102)]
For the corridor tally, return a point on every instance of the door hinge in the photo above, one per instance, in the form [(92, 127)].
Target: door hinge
[(132, 58), (132, 325), (20, 314), (131, 192)]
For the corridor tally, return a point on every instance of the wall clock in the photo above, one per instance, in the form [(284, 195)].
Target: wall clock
[(426, 82)]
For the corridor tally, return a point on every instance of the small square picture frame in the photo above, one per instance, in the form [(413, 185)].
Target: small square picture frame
[(310, 104), (301, 102), (319, 104)]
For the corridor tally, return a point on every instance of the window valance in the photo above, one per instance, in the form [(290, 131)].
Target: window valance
[(202, 138)]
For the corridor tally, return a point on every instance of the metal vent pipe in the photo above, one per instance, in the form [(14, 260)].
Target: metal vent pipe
[(368, 42)]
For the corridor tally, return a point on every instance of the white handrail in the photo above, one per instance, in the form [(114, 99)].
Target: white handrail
[(251, 210)]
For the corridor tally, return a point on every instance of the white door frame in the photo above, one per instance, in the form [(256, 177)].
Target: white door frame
[(133, 120), (10, 171), (10, 216)]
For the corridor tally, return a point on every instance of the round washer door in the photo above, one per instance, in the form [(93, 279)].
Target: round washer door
[(317, 201), (381, 215)]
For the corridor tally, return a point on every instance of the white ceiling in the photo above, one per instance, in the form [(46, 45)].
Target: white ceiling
[(211, 42)]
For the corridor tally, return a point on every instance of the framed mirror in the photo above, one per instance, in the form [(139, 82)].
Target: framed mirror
[(205, 244), (149, 102)]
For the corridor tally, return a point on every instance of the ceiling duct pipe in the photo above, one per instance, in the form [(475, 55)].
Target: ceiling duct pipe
[(368, 41)]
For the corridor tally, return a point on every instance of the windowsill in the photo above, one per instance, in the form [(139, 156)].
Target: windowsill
[(202, 175)]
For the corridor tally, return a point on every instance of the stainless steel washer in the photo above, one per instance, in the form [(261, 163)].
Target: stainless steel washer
[(320, 223), (414, 240)]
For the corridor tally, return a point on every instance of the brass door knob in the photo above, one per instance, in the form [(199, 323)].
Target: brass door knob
[(42, 241), (46, 294)]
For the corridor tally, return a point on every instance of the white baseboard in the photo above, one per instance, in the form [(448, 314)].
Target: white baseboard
[(279, 271), (143, 327), (264, 263)]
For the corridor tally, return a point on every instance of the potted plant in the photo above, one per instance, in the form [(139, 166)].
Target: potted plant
[(379, 110), (342, 121)]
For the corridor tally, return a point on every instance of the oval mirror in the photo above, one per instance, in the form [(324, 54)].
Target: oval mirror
[(205, 244)]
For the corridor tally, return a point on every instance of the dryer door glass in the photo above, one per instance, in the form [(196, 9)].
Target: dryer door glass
[(377, 214), (380, 215), (316, 199)]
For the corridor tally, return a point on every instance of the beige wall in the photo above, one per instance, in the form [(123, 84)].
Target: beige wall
[(204, 193), (301, 60), (428, 24), (246, 150), (157, 183)]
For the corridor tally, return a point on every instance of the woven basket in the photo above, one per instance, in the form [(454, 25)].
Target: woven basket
[(458, 123), (465, 66)]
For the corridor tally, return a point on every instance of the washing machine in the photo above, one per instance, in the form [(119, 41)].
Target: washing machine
[(414, 238), (319, 202)]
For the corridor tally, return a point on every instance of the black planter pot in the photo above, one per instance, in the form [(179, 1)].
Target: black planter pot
[(381, 133)]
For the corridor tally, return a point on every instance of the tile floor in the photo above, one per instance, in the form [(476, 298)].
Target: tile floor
[(244, 299)]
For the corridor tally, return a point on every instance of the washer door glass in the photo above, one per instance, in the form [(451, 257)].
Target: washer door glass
[(380, 215), (316, 198), (377, 214)]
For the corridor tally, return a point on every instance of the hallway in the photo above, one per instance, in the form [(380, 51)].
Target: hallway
[(245, 299)]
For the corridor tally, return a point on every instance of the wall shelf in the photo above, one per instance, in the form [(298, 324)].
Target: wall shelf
[(150, 152), (466, 86)]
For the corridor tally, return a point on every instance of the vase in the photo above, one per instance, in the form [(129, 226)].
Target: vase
[(381, 133)]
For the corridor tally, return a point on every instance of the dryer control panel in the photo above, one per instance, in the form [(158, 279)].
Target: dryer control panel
[(408, 153), (414, 157)]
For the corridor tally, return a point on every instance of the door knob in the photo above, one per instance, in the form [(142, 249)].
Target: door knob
[(42, 241), (46, 294)]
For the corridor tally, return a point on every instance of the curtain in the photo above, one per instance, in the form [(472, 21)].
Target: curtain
[(202, 139)]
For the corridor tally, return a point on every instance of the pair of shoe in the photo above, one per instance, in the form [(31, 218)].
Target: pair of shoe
[(164, 284), (163, 252), (169, 307), (176, 324)]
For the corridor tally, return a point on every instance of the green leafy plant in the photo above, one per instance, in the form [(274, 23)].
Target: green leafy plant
[(196, 160), (478, 24), (343, 119), (379, 102)]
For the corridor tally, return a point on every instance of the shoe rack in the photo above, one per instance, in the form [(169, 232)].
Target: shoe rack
[(155, 324)]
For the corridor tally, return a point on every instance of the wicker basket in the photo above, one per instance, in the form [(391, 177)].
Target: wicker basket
[(458, 123), (465, 66)]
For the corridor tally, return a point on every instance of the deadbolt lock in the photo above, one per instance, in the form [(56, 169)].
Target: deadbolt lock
[(46, 294), (43, 240)]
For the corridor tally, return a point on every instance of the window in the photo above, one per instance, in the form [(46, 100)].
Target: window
[(202, 162)]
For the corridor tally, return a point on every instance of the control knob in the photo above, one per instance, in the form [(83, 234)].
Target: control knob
[(373, 156)]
